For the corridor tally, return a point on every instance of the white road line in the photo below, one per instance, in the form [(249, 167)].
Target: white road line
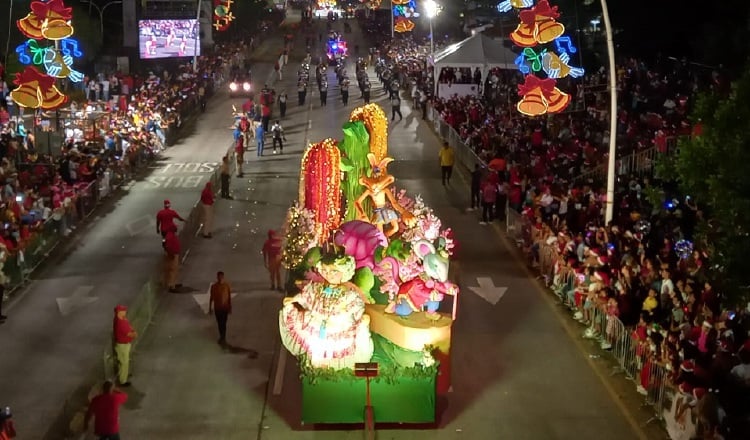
[(309, 124), (278, 381)]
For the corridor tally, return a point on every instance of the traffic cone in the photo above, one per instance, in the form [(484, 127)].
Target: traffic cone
[(56, 29), (557, 101), (27, 95), (532, 103)]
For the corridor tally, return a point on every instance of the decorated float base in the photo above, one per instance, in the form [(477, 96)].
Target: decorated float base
[(398, 395)]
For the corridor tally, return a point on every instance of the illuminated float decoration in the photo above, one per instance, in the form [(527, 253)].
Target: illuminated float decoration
[(545, 50), (223, 16), (370, 268), (403, 12), (51, 21)]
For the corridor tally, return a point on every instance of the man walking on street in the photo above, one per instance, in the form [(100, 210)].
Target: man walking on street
[(165, 219), (124, 336), (224, 171), (220, 302), (282, 104), (301, 92), (345, 91), (278, 137), (105, 408), (446, 163), (366, 92), (172, 250), (476, 181), (207, 206), (323, 93), (239, 155), (396, 107), (272, 259), (260, 138)]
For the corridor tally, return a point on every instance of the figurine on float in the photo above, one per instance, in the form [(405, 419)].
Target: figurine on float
[(326, 321), (386, 211)]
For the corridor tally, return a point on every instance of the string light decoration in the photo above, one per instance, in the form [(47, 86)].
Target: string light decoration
[(376, 123), (51, 21), (403, 12), (299, 236), (56, 62), (544, 50), (223, 16), (320, 186)]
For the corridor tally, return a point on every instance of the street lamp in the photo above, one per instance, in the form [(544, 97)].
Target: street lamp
[(610, 208), (432, 9), (101, 10)]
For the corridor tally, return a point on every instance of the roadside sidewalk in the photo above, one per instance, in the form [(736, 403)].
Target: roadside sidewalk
[(180, 373)]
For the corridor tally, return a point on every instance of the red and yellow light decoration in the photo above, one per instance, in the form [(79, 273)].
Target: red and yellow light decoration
[(320, 186), (403, 12), (538, 28), (48, 20), (223, 16), (376, 123), (326, 4)]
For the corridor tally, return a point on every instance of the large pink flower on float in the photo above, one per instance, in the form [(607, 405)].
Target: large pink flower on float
[(359, 240)]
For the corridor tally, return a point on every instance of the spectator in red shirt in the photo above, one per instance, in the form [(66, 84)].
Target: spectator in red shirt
[(207, 205), (165, 220), (105, 408), (172, 251), (272, 259), (124, 336)]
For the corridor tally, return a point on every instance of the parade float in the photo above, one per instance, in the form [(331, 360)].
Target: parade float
[(369, 265)]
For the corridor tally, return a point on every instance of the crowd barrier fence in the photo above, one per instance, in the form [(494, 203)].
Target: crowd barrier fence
[(630, 356)]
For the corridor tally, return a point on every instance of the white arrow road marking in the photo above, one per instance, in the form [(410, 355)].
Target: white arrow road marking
[(80, 298), (488, 291), (140, 224)]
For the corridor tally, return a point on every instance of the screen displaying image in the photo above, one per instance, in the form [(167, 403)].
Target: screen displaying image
[(168, 38)]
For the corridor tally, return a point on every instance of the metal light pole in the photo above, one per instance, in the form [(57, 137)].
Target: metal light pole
[(101, 10), (197, 33), (432, 9), (392, 24), (612, 162)]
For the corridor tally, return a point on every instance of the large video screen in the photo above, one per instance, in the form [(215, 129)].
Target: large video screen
[(168, 38)]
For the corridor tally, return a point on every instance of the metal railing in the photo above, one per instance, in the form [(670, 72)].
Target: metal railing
[(464, 154), (640, 163)]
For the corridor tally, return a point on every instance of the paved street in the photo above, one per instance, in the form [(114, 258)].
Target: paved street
[(520, 370), (58, 326)]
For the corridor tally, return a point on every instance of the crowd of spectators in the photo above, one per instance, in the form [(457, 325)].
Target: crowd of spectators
[(122, 120), (644, 270)]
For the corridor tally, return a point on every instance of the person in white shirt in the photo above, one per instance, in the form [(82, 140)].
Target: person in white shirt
[(105, 89), (667, 289)]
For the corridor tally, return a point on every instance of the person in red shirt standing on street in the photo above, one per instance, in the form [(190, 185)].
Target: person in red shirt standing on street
[(165, 219), (207, 206), (239, 153), (220, 303), (272, 259), (105, 408), (7, 427), (172, 251), (124, 336)]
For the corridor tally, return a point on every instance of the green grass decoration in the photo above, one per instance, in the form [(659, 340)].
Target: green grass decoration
[(354, 164)]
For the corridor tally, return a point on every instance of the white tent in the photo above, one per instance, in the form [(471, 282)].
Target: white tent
[(479, 51)]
